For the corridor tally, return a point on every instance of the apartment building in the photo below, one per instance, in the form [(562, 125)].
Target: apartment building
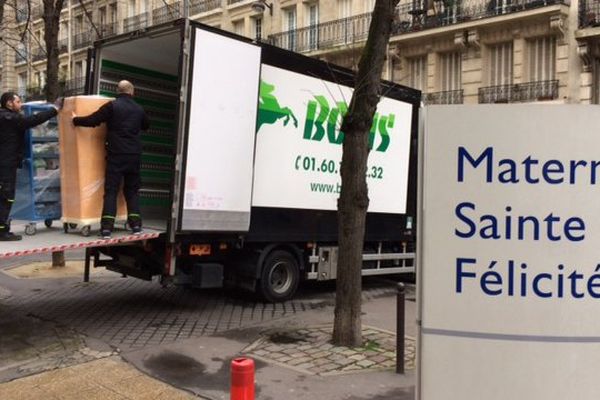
[(455, 51)]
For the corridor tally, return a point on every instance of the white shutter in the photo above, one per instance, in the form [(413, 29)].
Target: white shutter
[(542, 59), (501, 64), (450, 71)]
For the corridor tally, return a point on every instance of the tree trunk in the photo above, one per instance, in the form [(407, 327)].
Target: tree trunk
[(58, 259), (354, 198), (51, 25)]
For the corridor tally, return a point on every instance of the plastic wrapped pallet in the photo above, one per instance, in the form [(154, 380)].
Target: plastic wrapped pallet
[(82, 165)]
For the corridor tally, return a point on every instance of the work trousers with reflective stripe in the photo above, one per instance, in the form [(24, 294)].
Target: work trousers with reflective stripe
[(121, 168), (8, 179)]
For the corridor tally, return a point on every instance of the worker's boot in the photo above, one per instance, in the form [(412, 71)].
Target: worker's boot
[(135, 223), (106, 227), (6, 235)]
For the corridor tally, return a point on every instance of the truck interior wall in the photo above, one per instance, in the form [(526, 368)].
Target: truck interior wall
[(152, 65)]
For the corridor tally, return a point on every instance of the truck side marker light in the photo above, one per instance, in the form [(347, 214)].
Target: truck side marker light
[(200, 250)]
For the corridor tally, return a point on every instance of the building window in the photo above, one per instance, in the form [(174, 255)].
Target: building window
[(501, 64), (344, 8), (417, 72), (238, 27), (542, 59), (289, 26), (450, 71), (79, 69), (313, 26), (258, 28), (22, 83), (131, 8)]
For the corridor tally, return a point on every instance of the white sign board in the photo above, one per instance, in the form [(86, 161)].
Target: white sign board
[(509, 262), (299, 145), (220, 149)]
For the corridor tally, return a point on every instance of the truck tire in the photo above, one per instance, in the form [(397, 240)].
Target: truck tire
[(280, 277)]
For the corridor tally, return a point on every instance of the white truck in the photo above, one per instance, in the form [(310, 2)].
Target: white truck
[(241, 165)]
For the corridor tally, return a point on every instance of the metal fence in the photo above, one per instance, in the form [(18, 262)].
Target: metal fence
[(324, 35), (136, 22), (520, 92), (445, 97), (166, 13), (200, 6), (589, 13), (81, 40), (410, 16)]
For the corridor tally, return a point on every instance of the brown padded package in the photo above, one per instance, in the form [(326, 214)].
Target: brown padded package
[(82, 164)]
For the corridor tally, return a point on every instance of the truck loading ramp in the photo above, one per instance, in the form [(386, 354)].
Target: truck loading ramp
[(51, 240)]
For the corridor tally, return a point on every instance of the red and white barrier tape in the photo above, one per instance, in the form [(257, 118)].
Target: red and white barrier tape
[(72, 246)]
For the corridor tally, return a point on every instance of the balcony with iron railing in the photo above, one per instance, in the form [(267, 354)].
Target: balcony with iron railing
[(520, 92), (410, 16), (73, 87), (417, 15), (107, 29), (589, 13), (34, 93), (202, 6), (166, 13), (324, 35), (82, 40), (38, 54), (444, 97), (136, 22)]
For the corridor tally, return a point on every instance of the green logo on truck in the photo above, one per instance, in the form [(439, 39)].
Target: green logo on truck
[(322, 120), (269, 110)]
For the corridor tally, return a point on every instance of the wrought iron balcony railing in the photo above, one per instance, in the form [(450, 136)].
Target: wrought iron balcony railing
[(166, 13), (520, 92), (38, 53), (136, 22), (108, 30), (411, 16), (445, 97), (324, 35), (589, 13), (73, 87), (34, 93), (200, 6), (421, 14), (82, 40)]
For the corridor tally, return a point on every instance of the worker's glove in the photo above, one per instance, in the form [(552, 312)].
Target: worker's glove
[(58, 103)]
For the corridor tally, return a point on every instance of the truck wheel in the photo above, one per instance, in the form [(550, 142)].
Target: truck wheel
[(30, 229), (280, 276)]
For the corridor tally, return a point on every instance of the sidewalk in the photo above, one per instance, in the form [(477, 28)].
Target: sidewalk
[(293, 357)]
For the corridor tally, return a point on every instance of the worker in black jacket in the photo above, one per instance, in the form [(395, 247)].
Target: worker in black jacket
[(13, 127), (124, 120)]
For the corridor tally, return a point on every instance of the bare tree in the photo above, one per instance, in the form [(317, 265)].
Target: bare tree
[(51, 16), (354, 198)]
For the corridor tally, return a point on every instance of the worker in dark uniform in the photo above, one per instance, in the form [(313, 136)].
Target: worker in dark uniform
[(125, 119), (13, 127)]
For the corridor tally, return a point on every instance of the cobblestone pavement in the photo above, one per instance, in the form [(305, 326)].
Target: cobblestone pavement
[(128, 313), (310, 351)]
